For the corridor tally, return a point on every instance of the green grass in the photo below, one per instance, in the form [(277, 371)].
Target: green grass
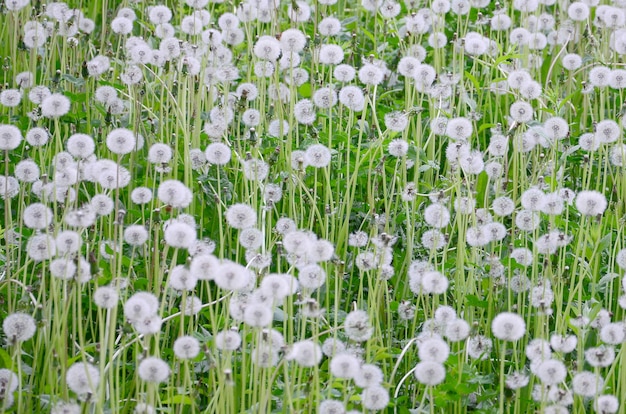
[(362, 188)]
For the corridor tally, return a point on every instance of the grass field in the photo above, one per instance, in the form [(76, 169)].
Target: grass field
[(323, 207)]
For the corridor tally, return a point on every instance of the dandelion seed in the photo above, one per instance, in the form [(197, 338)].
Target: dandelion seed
[(232, 276), (304, 112), (551, 372), (19, 327), (311, 276), (517, 380), (430, 373), (82, 378), (606, 404), (153, 369), (357, 327), (521, 112), (174, 193), (437, 215), (255, 169), (508, 326), (318, 156), (344, 365), (563, 344), (434, 349), (241, 216), (599, 76), (267, 48), (330, 54), (477, 236), (11, 137), (457, 330), (591, 203), (325, 98), (228, 340), (602, 356), (186, 347), (264, 356), (352, 98), (159, 14), (10, 98), (587, 384), (344, 73), (331, 406), (479, 347), (306, 353), (375, 397), (370, 74), (329, 26)]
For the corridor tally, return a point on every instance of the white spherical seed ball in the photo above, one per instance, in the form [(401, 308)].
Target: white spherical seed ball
[(135, 235), (375, 397), (10, 98), (591, 203), (10, 137), (9, 382), (181, 279), (344, 73), (457, 330), (160, 153), (241, 216), (352, 98), (229, 340), (174, 193), (306, 353), (141, 195), (55, 106), (153, 369), (218, 153), (357, 326), (41, 247), (180, 235), (437, 215), (106, 297), (331, 407), (521, 112), (83, 378), (232, 276), (35, 136), (508, 326), (368, 376), (325, 98), (551, 372), (37, 216), (27, 171), (19, 327), (430, 373), (587, 384), (398, 148), (318, 156), (80, 145), (121, 141), (102, 204), (606, 404), (186, 347), (344, 365)]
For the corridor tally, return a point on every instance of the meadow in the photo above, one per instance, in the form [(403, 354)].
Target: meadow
[(329, 206)]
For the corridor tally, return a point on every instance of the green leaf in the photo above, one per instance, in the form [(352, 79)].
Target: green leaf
[(473, 300), (178, 399)]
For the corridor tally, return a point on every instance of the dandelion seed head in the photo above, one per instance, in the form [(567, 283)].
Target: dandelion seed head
[(508, 326), (430, 373), (306, 353), (357, 326), (153, 369), (82, 378)]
